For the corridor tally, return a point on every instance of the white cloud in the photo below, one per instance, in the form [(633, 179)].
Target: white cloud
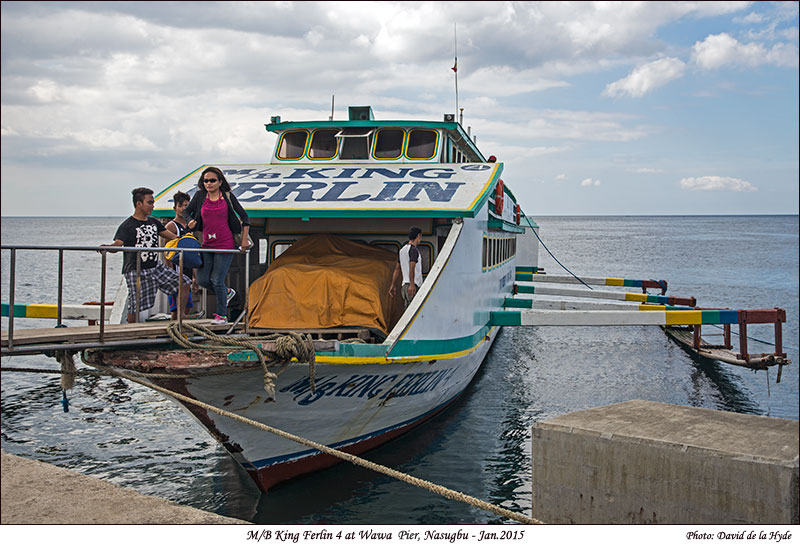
[(647, 77), (718, 50), (561, 177), (717, 183), (587, 182)]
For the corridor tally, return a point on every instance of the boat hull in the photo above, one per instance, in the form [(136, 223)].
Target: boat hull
[(353, 408)]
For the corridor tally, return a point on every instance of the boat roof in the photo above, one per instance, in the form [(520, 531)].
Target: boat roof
[(349, 190)]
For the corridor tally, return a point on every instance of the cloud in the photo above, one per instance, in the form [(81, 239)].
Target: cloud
[(587, 182), (717, 183), (647, 77), (718, 50)]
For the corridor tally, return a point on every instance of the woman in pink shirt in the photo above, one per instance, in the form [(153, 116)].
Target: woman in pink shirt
[(216, 211)]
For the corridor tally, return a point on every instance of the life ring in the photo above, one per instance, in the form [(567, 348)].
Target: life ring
[(498, 197), (518, 214)]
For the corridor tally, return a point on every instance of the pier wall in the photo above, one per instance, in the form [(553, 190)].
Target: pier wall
[(648, 462)]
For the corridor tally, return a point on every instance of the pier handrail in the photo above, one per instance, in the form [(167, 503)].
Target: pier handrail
[(104, 250)]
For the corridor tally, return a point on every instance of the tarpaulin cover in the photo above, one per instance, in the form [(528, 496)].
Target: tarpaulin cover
[(326, 281)]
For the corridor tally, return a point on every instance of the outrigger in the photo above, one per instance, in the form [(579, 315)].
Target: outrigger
[(320, 348)]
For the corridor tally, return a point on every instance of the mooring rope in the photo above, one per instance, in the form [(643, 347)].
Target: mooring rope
[(354, 459), (288, 346), (552, 256), (438, 489)]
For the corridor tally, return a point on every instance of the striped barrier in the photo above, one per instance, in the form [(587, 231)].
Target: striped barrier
[(564, 305), (534, 288), (525, 275), (50, 311), (661, 317)]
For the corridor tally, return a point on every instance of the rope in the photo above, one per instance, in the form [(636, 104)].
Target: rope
[(291, 345), (432, 487), (438, 489), (556, 259), (65, 358), (754, 339)]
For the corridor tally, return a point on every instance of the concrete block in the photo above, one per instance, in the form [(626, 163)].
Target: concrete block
[(649, 462)]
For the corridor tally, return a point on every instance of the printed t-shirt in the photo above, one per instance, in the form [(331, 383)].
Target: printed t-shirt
[(139, 233)]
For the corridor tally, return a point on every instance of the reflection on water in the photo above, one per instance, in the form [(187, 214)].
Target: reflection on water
[(481, 445)]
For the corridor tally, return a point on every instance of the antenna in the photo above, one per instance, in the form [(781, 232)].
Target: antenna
[(455, 62), (331, 118)]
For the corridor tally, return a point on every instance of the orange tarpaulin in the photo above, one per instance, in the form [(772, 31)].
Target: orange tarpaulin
[(325, 281)]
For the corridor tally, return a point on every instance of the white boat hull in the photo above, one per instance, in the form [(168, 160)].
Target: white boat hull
[(353, 408)]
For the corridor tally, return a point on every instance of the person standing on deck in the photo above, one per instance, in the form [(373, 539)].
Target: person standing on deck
[(409, 266), (214, 210), (178, 226), (139, 230)]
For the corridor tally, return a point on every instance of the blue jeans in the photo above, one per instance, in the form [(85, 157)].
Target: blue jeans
[(211, 275)]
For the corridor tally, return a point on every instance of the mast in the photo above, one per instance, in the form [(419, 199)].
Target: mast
[(455, 62)]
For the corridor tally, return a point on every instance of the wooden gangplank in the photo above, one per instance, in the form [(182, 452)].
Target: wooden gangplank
[(33, 340), (122, 336)]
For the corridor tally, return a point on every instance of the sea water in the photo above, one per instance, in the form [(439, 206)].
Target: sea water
[(481, 446)]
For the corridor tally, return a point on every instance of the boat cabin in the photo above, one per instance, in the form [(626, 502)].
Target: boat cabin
[(362, 139)]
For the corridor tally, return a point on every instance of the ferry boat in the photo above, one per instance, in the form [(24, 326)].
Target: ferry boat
[(328, 215)]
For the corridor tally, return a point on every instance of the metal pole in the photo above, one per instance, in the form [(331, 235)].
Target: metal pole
[(102, 295), (11, 276), (60, 283), (179, 302), (246, 291), (138, 285)]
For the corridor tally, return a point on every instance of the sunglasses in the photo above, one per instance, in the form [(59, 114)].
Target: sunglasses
[(210, 179)]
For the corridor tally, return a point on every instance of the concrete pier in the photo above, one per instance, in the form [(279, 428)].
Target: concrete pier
[(39, 493), (648, 462)]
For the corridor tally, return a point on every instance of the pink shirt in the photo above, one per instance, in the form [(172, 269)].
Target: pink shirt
[(216, 233)]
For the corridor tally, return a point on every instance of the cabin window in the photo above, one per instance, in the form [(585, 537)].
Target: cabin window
[(390, 246), (389, 144), (292, 145), (279, 248), (422, 144), (355, 142), (484, 263), (425, 253), (323, 144)]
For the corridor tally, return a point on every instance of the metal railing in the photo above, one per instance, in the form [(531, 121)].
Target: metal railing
[(104, 250)]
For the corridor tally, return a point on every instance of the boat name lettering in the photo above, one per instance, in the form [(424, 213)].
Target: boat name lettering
[(368, 386), (504, 280), (306, 192), (318, 172)]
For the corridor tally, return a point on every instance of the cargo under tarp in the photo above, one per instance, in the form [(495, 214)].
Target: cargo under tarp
[(325, 281)]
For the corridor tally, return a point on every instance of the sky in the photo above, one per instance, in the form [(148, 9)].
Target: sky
[(606, 108)]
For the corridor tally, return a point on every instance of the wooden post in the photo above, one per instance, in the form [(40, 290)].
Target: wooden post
[(743, 336), (697, 336), (727, 339), (778, 339)]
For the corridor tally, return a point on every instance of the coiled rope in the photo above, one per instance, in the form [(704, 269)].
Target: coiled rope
[(287, 346), (354, 459)]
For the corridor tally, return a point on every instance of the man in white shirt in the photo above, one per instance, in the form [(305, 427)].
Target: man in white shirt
[(409, 266)]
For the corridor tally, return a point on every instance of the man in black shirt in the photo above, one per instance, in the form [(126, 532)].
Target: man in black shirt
[(141, 231)]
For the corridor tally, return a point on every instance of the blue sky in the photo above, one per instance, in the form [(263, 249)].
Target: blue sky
[(595, 108)]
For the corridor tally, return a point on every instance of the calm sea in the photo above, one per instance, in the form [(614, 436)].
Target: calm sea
[(481, 446)]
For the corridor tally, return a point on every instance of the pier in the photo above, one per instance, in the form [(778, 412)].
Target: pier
[(649, 462), (28, 499)]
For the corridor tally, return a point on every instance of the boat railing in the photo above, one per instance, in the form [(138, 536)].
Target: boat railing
[(104, 250)]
